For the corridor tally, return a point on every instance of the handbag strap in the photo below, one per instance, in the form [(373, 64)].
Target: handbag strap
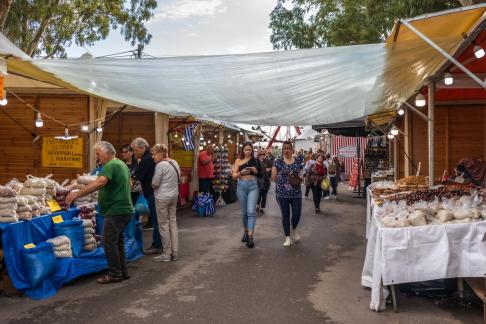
[(177, 171)]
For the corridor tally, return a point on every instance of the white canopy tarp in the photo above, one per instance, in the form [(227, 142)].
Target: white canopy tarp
[(302, 87), (281, 88)]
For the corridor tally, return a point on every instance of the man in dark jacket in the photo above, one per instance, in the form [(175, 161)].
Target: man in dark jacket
[(144, 173)]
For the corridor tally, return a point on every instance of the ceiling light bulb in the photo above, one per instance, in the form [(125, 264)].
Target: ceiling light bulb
[(478, 51), (401, 112), (420, 100), (394, 131), (175, 135), (229, 135), (390, 136), (38, 121), (99, 129), (448, 79), (85, 128)]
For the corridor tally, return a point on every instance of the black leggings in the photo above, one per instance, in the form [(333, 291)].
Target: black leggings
[(307, 189), (286, 204), (334, 184), (316, 195), (262, 199)]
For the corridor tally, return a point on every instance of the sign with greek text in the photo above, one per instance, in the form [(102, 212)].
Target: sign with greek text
[(58, 153), (347, 151)]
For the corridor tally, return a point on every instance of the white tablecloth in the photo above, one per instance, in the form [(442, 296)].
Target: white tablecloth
[(410, 254)]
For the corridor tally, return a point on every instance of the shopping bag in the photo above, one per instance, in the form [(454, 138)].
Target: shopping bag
[(325, 184), (141, 206)]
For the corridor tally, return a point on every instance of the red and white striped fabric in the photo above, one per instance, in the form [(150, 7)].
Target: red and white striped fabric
[(345, 149)]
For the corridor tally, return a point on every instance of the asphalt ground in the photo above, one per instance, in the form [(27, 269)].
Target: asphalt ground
[(219, 280)]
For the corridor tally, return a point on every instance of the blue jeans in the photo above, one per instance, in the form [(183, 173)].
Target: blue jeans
[(156, 240), (285, 205), (247, 192)]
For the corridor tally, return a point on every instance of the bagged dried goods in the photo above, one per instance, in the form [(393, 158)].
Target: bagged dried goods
[(7, 192), (417, 218), (11, 205)]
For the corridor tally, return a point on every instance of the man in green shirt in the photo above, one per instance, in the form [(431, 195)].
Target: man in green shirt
[(115, 205)]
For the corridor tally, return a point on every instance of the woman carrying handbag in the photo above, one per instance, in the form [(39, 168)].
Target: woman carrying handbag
[(286, 173), (316, 174)]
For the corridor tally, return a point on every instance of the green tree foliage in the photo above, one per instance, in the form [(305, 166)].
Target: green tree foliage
[(319, 23), (47, 27)]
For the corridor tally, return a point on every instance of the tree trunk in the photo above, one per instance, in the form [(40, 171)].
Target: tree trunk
[(4, 9), (40, 32)]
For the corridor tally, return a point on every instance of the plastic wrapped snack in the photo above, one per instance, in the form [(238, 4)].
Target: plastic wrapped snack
[(395, 222), (444, 215), (417, 218)]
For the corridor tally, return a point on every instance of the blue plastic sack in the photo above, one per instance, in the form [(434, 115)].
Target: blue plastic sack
[(204, 205), (73, 229), (39, 262), (141, 206), (131, 227)]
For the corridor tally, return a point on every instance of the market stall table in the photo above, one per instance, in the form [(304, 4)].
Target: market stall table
[(39, 229), (421, 253)]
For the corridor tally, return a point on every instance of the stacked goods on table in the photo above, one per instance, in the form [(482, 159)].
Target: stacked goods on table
[(36, 187), (376, 158), (29, 207), (61, 246), (82, 181), (87, 213), (444, 204), (61, 194), (8, 205)]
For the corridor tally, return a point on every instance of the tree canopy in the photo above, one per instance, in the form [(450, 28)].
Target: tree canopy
[(46, 27), (319, 23)]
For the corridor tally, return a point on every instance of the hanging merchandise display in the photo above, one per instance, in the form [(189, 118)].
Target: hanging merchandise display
[(222, 173)]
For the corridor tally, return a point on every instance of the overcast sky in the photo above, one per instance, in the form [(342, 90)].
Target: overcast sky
[(199, 27)]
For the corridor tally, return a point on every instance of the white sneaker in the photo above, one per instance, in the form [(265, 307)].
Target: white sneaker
[(335, 197), (326, 198), (287, 242), (294, 235)]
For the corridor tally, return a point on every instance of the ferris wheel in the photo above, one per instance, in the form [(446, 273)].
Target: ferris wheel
[(280, 134)]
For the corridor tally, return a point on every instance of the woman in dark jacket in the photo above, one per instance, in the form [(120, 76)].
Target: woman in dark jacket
[(264, 181), (315, 175)]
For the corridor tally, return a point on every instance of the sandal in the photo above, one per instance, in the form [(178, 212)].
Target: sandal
[(106, 279)]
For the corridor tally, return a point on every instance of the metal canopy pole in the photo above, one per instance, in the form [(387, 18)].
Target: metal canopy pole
[(444, 53), (430, 123)]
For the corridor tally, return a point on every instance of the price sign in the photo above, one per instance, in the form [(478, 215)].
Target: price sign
[(29, 246), (57, 219), (53, 205)]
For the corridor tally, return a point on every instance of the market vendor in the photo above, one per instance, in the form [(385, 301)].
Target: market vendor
[(115, 205), (205, 169)]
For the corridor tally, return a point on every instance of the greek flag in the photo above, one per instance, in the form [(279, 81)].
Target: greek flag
[(188, 139)]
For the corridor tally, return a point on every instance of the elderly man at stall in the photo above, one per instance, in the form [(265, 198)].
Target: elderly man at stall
[(115, 205), (144, 173)]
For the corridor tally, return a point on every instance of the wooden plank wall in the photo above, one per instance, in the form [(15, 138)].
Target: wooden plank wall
[(460, 132), (19, 155), (126, 126)]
